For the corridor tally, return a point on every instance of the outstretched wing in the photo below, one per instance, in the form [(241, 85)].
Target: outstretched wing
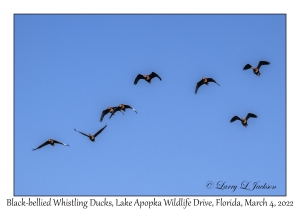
[(250, 115), (118, 108), (138, 77), (129, 107), (212, 80), (235, 118), (262, 63), (105, 111), (81, 133), (44, 144), (248, 66), (201, 82), (153, 74), (55, 141), (96, 134)]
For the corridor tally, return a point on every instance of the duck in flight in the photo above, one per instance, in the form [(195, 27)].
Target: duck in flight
[(105, 111), (243, 120), (148, 78), (122, 107), (92, 137), (256, 69), (51, 142), (204, 81)]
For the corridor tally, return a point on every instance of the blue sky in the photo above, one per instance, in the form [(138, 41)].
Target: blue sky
[(68, 68)]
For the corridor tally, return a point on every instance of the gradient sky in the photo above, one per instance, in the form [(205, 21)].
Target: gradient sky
[(68, 68)]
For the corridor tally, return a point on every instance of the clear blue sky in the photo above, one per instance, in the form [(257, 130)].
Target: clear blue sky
[(68, 68)]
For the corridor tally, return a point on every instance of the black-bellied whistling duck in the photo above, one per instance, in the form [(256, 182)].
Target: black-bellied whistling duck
[(256, 69), (243, 120), (122, 107), (92, 137), (146, 77), (204, 81), (52, 142), (105, 111)]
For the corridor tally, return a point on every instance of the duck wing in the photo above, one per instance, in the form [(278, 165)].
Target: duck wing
[(138, 77)]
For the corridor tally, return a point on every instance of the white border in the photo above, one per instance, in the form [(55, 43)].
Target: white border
[(9, 8)]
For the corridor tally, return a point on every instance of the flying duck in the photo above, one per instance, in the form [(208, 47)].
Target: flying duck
[(50, 141), (204, 81), (146, 77), (122, 107), (105, 111), (243, 120), (92, 137), (256, 69)]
